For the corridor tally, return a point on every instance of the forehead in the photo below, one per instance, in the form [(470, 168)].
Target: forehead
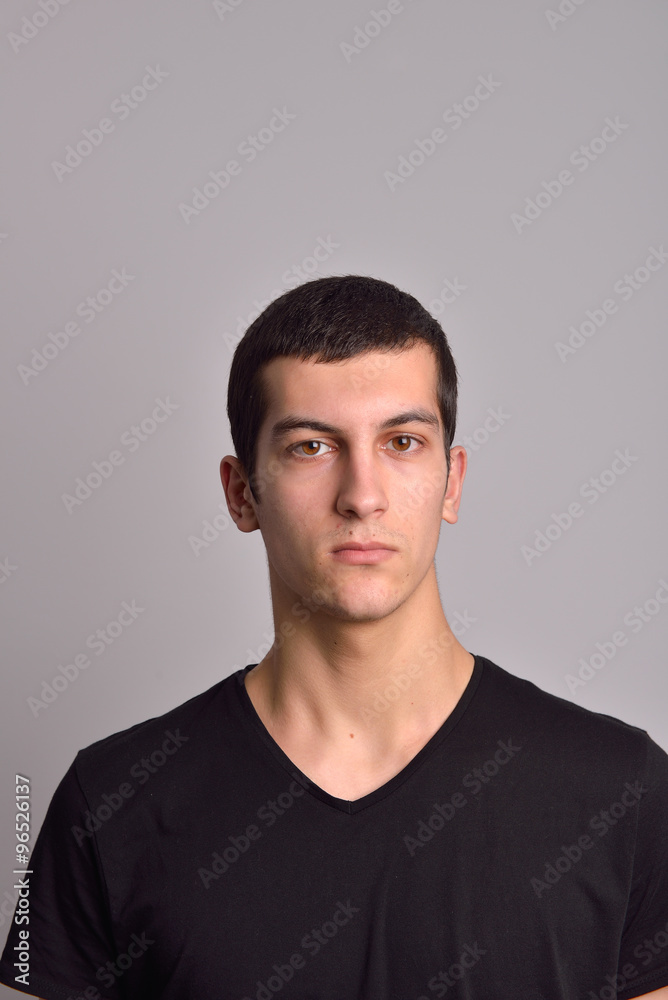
[(370, 383)]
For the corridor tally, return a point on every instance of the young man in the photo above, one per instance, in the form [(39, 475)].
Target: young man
[(372, 811)]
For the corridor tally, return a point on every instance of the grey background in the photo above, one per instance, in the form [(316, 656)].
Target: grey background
[(170, 333)]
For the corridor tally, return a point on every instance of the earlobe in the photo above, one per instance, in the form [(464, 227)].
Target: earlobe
[(237, 494), (449, 514), (453, 494)]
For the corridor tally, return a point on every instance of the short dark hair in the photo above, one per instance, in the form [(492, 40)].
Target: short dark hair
[(330, 319)]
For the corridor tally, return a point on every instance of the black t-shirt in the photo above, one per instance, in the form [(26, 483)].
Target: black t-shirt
[(522, 854)]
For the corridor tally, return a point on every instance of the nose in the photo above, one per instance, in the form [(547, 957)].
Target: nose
[(362, 489)]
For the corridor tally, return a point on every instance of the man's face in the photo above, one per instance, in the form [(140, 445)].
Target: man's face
[(364, 462)]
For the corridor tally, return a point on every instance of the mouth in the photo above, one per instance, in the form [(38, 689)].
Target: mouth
[(358, 553)]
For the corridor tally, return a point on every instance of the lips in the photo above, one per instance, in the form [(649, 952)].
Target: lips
[(363, 546), (362, 553)]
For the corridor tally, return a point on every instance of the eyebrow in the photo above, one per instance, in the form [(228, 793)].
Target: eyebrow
[(416, 416)]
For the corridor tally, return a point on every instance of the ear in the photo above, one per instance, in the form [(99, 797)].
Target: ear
[(238, 494), (453, 494)]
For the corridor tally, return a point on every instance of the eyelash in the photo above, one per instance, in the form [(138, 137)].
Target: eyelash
[(308, 458)]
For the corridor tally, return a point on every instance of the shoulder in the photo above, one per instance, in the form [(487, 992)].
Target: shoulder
[(559, 729), (186, 732)]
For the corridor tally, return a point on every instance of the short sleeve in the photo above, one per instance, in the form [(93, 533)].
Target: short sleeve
[(70, 940), (643, 962)]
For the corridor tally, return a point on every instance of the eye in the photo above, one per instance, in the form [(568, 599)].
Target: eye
[(405, 440), (310, 449)]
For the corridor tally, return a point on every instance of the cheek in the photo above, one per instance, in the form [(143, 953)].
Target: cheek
[(421, 501), (284, 517), (292, 506)]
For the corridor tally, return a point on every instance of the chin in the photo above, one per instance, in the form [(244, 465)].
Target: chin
[(360, 608)]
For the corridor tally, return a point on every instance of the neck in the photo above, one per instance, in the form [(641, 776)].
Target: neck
[(328, 677)]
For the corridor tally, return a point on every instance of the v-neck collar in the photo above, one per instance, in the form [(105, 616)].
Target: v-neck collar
[(356, 805)]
